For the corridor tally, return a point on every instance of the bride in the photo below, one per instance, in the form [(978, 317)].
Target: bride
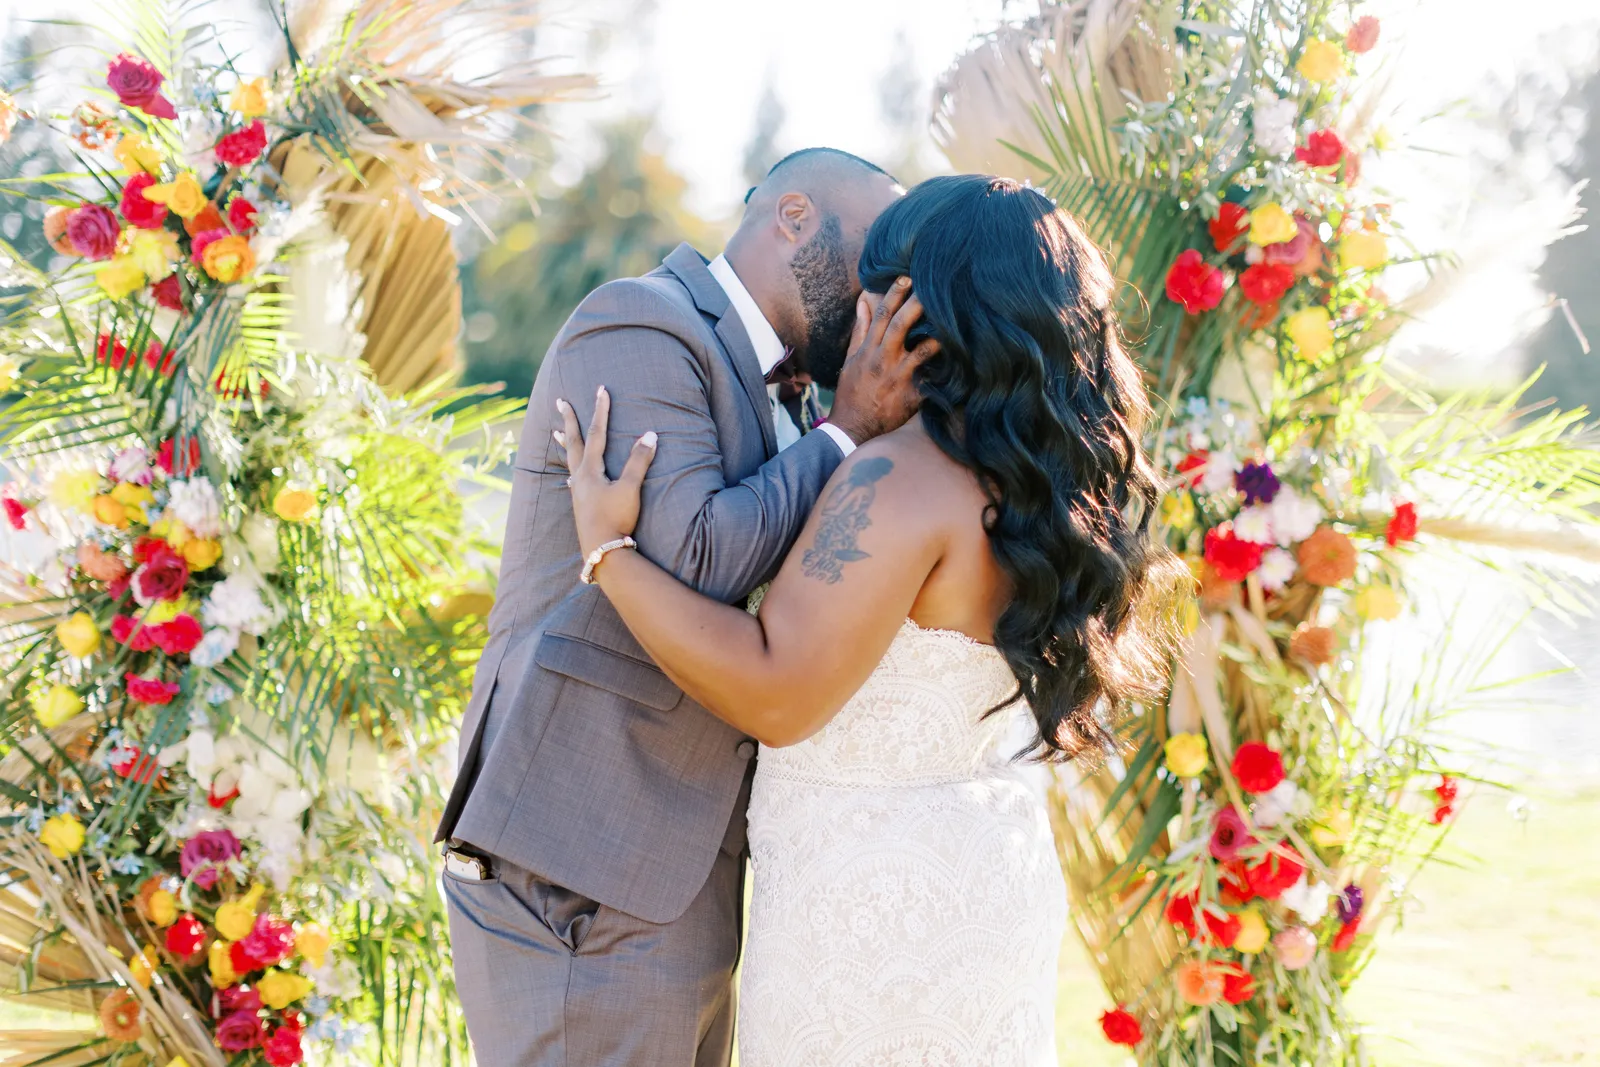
[(989, 559)]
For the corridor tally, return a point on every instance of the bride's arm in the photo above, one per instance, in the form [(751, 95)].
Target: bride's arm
[(831, 613)]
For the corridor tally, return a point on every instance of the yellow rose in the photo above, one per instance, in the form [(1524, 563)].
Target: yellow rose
[(173, 532), (293, 505), (152, 251), (55, 705), (78, 634), (183, 195), (279, 989), (312, 942), (235, 919), (1270, 225), (74, 489), (144, 966), (1187, 755), (119, 278), (165, 611), (250, 99), (137, 154), (1333, 829), (109, 510), (227, 259), (221, 963), (163, 908), (201, 552), (133, 498), (62, 835), (1311, 330), (8, 373), (1253, 932), (1322, 61), (1378, 602), (1363, 250)]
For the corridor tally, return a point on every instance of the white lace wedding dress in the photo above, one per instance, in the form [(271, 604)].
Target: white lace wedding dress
[(908, 905)]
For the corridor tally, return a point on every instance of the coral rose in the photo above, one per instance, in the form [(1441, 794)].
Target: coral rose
[(1327, 557), (228, 258), (93, 230), (55, 230), (209, 218), (1193, 283), (137, 84), (119, 1015), (1199, 982), (1232, 222), (1257, 767), (1315, 645), (1121, 1027), (98, 564)]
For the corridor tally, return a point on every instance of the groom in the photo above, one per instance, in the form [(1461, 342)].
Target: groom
[(594, 840)]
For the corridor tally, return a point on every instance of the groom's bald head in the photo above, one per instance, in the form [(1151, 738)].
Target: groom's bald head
[(798, 246)]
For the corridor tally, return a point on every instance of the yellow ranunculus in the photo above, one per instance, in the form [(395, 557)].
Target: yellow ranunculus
[(293, 505), (183, 195), (250, 99), (74, 488), (78, 634), (227, 259), (119, 278), (165, 611), (1270, 224), (137, 154), (235, 919), (55, 705), (1311, 330), (279, 989), (1253, 933), (1322, 61), (144, 966), (109, 510), (1378, 602), (201, 552), (1333, 829), (163, 908), (312, 942), (1187, 755), (152, 251), (1363, 250), (62, 835), (221, 963), (8, 373)]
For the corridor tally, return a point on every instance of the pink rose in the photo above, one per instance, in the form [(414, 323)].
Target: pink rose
[(198, 243), (270, 941), (93, 230), (204, 853), (239, 1031), (138, 85), (1296, 947)]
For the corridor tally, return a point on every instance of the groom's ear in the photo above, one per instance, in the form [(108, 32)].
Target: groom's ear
[(796, 217)]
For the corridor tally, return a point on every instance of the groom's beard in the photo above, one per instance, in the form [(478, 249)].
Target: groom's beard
[(827, 299)]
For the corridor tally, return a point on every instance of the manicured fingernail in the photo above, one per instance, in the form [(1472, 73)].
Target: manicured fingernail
[(648, 440), (902, 282), (600, 391), (563, 407), (561, 438)]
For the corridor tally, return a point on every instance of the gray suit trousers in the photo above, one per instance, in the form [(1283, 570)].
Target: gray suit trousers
[(549, 978)]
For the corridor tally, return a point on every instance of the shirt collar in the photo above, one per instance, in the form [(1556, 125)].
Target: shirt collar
[(769, 349)]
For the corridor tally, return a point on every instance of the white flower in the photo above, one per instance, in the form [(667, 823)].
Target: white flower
[(1294, 517), (218, 644), (236, 604), (1283, 799), (132, 465), (1272, 121), (195, 504), (201, 749), (1221, 466), (1277, 567), (1253, 524), (1307, 899)]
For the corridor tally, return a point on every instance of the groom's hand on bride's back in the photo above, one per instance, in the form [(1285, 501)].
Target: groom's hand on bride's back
[(875, 393)]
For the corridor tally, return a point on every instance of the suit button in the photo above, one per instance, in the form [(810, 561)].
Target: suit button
[(746, 750)]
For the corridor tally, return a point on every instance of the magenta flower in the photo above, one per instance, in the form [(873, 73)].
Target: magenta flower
[(204, 854), (137, 84), (1229, 834)]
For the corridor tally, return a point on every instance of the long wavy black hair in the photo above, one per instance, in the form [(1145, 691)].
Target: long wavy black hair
[(1033, 391)]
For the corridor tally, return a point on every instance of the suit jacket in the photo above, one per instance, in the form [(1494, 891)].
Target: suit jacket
[(596, 772)]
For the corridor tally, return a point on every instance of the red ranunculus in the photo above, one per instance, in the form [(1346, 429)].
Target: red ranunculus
[(185, 463), (240, 148), (150, 690), (1180, 912), (161, 577), (1270, 878), (1121, 1027), (1257, 767), (1264, 283), (241, 214), (145, 214), (138, 85), (1221, 930), (239, 1031), (1237, 984), (282, 1049), (1231, 558), (137, 766), (168, 293), (186, 936), (1346, 936), (1447, 790), (1194, 283), (177, 636), (1232, 222), (1403, 527), (160, 361), (111, 352), (93, 230), (269, 942), (1322, 149), (127, 630), (16, 512)]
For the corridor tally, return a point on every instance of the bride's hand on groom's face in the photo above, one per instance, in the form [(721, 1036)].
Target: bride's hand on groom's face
[(875, 393), (604, 509)]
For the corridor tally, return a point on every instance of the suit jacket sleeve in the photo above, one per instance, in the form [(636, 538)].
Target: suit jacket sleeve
[(722, 539)]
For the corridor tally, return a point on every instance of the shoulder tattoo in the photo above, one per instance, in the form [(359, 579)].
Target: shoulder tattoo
[(844, 516)]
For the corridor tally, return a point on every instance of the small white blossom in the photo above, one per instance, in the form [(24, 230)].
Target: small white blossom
[(1221, 466), (218, 644), (1272, 122), (1277, 567), (1294, 517), (1283, 799), (1253, 524), (195, 503), (132, 465), (1307, 899), (236, 603)]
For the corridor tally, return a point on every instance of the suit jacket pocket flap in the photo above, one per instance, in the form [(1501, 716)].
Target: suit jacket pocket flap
[(608, 670)]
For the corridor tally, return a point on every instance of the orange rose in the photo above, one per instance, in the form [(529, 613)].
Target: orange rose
[(1327, 557), (227, 259), (1200, 983)]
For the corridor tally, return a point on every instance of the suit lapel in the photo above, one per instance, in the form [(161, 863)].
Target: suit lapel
[(690, 268)]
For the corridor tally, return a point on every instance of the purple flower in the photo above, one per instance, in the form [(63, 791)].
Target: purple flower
[(204, 854), (1257, 482), (1350, 903)]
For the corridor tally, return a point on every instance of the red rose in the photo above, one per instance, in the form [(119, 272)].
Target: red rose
[(177, 637), (1194, 283), (186, 936), (238, 998), (1232, 222), (1121, 1028), (1230, 557), (270, 941), (1322, 149), (1346, 936), (156, 360), (127, 630), (282, 1049), (1237, 984), (145, 214), (16, 512), (1264, 283), (1270, 878), (138, 85), (162, 577), (201, 240), (1235, 884), (240, 148), (1258, 768), (1403, 527), (150, 690), (168, 293), (240, 959), (1180, 912), (93, 229), (241, 214), (239, 1031), (1194, 461), (186, 463), (137, 766), (1221, 930)]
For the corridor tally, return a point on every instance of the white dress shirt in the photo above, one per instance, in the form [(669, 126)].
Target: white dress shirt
[(769, 353)]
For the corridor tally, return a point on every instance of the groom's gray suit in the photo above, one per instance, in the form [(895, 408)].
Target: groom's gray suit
[(610, 804)]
